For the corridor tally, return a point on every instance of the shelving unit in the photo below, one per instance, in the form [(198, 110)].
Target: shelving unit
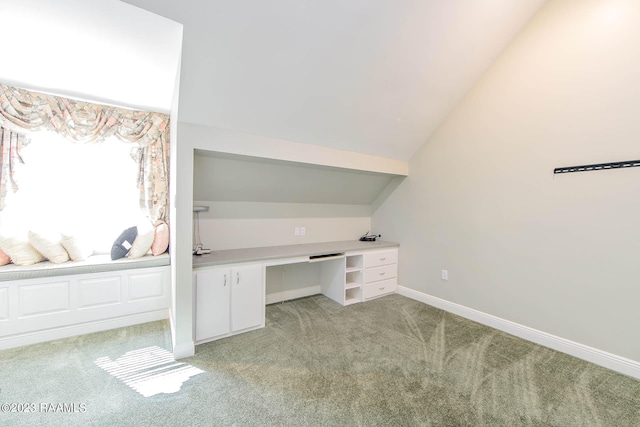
[(359, 276), (353, 279)]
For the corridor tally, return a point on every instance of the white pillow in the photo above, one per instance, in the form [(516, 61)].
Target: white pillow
[(77, 249), (20, 250), (142, 242), (48, 244)]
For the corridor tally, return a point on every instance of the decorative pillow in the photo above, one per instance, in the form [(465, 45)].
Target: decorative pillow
[(123, 243), (20, 250), (161, 239), (4, 258), (142, 243), (48, 244), (76, 248)]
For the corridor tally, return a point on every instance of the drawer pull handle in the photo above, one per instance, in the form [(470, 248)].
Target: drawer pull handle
[(382, 259), (382, 274), (382, 288), (238, 278), (225, 280)]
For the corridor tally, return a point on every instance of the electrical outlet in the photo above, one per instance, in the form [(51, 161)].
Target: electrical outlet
[(445, 275), (303, 231), (296, 231)]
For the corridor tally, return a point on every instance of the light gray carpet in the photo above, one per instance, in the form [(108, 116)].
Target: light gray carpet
[(387, 362)]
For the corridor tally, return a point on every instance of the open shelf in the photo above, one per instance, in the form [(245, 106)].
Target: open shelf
[(353, 279), (353, 295), (354, 262)]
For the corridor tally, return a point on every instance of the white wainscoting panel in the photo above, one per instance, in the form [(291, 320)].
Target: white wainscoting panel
[(4, 303), (146, 285), (96, 292), (41, 309), (45, 298)]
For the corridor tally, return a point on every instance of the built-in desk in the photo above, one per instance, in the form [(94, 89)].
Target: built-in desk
[(230, 285), (274, 255)]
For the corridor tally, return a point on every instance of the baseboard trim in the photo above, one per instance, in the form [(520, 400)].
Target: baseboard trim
[(36, 337), (292, 294), (611, 361), (184, 349)]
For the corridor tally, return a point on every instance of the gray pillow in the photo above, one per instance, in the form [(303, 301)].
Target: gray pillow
[(123, 243)]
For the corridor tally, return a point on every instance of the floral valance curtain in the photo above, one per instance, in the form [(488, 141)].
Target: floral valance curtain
[(23, 111), (10, 145)]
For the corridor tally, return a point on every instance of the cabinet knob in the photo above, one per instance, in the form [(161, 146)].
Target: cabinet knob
[(382, 288), (382, 274)]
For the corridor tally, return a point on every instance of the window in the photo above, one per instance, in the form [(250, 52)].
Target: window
[(86, 190)]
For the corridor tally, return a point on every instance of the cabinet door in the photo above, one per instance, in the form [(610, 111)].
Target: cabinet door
[(212, 303), (247, 298)]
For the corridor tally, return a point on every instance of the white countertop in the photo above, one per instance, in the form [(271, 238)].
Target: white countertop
[(232, 256)]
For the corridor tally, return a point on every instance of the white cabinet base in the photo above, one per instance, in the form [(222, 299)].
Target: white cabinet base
[(228, 301), (360, 276), (44, 309)]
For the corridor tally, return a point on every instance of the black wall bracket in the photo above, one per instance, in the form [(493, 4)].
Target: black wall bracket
[(598, 167)]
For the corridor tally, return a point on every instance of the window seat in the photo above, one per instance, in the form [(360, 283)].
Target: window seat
[(47, 301), (95, 264)]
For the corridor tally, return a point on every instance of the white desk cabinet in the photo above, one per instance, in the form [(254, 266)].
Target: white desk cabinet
[(228, 301), (380, 273), (229, 286)]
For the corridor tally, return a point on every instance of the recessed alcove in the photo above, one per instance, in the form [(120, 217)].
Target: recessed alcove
[(255, 201)]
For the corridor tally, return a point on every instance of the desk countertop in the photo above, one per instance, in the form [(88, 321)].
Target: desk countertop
[(232, 256)]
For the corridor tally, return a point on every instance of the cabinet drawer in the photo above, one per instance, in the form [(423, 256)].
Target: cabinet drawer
[(380, 288), (376, 274), (375, 259)]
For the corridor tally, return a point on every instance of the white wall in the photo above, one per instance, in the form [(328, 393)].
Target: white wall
[(234, 225), (102, 51), (558, 253), (219, 233)]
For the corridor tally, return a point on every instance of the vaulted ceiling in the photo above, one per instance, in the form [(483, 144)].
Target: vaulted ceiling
[(371, 76)]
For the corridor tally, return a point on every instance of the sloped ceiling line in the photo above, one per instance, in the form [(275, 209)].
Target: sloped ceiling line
[(374, 77)]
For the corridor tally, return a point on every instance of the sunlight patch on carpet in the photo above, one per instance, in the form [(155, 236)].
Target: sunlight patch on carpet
[(149, 371)]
